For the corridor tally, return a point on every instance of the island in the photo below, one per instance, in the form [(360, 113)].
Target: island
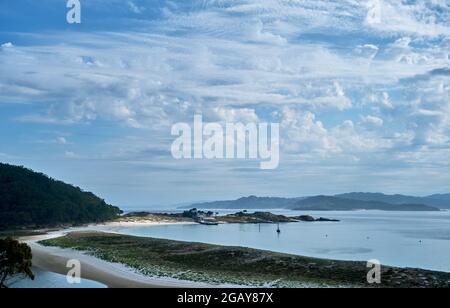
[(212, 218)]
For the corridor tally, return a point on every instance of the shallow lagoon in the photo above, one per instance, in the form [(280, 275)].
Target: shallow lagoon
[(44, 279)]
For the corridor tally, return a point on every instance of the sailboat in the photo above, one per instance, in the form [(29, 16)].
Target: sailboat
[(278, 229)]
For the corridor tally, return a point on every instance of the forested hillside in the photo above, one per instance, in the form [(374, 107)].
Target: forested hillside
[(30, 199)]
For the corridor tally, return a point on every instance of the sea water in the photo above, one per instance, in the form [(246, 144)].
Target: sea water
[(404, 239), (44, 279)]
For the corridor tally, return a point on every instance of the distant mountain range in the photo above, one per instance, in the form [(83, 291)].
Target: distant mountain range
[(327, 203), (439, 201), (251, 202), (342, 202)]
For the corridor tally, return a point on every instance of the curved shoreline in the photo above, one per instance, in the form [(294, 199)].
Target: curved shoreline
[(112, 275), (233, 265)]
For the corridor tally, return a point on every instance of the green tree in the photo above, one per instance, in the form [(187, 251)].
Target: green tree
[(33, 200), (15, 259)]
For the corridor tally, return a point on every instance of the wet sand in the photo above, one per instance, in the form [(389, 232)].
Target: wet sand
[(53, 259)]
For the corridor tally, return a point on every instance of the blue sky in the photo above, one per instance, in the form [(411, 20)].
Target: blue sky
[(363, 103)]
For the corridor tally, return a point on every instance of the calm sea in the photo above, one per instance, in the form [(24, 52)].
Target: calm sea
[(404, 239), (48, 280)]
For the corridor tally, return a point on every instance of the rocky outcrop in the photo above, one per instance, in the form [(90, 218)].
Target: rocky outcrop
[(308, 218)]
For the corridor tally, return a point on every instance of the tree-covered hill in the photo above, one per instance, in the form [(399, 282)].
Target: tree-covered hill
[(30, 199), (328, 203)]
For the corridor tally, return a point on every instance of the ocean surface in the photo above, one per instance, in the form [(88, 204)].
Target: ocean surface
[(404, 239)]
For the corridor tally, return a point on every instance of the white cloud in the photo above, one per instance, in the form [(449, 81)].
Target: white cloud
[(422, 17), (7, 45), (70, 155), (367, 51), (258, 34), (316, 65), (372, 120), (303, 133), (134, 8), (243, 115), (61, 140)]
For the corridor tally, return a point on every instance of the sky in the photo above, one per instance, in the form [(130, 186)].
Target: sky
[(360, 90)]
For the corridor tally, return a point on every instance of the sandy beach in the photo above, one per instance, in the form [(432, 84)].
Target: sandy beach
[(113, 275)]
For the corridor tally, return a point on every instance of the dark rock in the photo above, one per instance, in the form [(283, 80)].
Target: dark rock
[(309, 218), (306, 218), (327, 219)]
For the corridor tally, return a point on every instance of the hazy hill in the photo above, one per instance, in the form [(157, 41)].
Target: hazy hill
[(327, 203), (251, 202), (344, 202), (441, 196), (439, 201), (30, 199)]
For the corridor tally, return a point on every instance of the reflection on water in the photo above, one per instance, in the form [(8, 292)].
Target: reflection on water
[(406, 239)]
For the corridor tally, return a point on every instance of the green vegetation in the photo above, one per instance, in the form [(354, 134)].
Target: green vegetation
[(242, 217), (257, 217), (146, 217), (15, 234), (29, 200), (236, 265), (15, 259), (189, 215)]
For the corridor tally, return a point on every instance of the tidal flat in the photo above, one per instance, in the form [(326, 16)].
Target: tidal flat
[(214, 264)]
